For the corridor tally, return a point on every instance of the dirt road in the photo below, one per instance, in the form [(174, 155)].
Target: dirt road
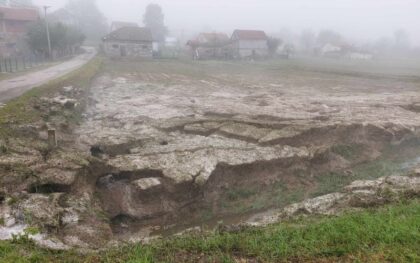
[(11, 88)]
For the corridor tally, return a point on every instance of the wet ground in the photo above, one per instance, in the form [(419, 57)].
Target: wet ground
[(224, 134), (134, 104), (166, 145)]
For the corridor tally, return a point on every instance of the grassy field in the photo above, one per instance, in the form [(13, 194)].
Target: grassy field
[(388, 234), (388, 68), (384, 67)]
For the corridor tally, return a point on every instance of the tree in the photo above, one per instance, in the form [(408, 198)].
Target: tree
[(289, 49), (307, 40), (37, 37), (329, 37), (383, 44), (402, 39), (63, 38), (273, 45), (154, 20), (85, 16)]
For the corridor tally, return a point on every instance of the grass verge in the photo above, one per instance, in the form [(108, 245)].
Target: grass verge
[(388, 234), (22, 110)]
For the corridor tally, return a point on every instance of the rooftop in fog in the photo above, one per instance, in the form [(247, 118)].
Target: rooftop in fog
[(19, 13), (249, 34), (120, 24), (132, 33)]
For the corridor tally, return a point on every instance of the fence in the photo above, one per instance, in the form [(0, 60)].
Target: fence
[(20, 63)]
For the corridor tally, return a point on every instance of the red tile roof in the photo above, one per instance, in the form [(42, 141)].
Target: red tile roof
[(249, 35), (19, 14)]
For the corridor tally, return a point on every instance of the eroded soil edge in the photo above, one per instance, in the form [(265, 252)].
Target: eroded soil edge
[(148, 160)]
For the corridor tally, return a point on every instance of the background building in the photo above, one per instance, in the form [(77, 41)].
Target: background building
[(133, 42), (250, 43), (14, 22)]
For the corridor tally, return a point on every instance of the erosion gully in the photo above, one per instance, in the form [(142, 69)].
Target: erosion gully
[(181, 157)]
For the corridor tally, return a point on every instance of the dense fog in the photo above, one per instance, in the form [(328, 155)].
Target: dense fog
[(359, 20)]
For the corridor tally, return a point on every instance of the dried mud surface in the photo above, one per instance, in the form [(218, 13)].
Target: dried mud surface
[(164, 146)]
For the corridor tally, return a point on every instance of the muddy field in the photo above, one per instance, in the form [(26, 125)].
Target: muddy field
[(165, 146), (192, 143)]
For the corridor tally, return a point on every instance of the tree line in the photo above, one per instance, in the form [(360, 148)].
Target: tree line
[(64, 39), (81, 20), (69, 27)]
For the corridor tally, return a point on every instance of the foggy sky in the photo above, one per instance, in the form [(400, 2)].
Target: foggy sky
[(359, 20)]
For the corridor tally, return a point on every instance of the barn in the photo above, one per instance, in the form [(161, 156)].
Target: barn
[(249, 43), (210, 46), (132, 42)]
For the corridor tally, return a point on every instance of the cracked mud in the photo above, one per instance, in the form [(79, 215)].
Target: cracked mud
[(177, 145)]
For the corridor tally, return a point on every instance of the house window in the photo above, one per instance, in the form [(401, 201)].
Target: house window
[(115, 46)]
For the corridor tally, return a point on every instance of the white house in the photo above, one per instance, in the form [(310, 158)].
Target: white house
[(210, 46), (329, 49), (132, 42), (360, 56), (249, 43)]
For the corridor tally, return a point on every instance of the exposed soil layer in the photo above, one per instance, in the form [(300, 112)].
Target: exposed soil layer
[(192, 147), (48, 188), (165, 146)]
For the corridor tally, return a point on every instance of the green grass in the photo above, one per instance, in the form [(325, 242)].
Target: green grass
[(244, 200), (335, 181), (280, 194), (391, 162), (389, 234), (347, 151), (377, 68)]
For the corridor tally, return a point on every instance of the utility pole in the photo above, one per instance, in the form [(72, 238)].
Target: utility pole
[(48, 31)]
